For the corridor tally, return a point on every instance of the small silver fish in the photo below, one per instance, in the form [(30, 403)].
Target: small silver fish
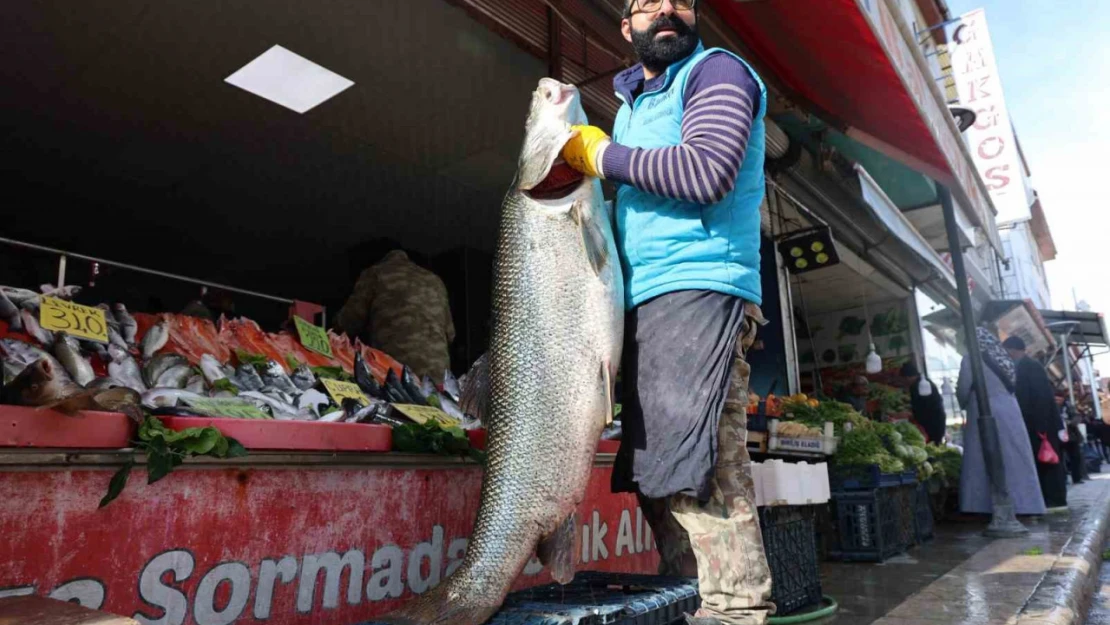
[(451, 385), (155, 367), (312, 400), (66, 292), (211, 368), (303, 378), (155, 339), (10, 312), (115, 338), (109, 316), (125, 370), (21, 297), (247, 378), (21, 355), (279, 409), (166, 397), (68, 352), (128, 327), (174, 377), (31, 326), (195, 384), (333, 417), (275, 376)]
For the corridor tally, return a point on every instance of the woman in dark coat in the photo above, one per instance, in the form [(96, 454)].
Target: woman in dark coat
[(1037, 399)]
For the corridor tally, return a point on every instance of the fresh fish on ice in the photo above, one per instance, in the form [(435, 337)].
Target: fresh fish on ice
[(211, 368), (195, 384), (365, 379), (451, 385), (279, 409), (125, 370), (167, 397), (128, 327), (312, 400), (303, 378), (174, 377), (31, 326), (66, 292), (21, 297), (275, 376), (155, 339), (9, 312), (68, 352), (247, 378), (558, 299), (40, 384), (155, 367), (412, 387)]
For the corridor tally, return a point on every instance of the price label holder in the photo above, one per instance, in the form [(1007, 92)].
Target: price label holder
[(345, 390), (84, 322), (313, 337), (423, 414), (226, 407)]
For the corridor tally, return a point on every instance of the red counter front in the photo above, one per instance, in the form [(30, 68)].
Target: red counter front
[(287, 539)]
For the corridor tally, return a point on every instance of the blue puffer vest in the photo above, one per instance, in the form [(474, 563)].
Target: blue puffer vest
[(670, 245)]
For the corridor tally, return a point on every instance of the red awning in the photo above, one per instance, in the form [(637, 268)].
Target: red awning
[(850, 61)]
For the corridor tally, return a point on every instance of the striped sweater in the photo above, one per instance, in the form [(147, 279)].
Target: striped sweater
[(719, 101)]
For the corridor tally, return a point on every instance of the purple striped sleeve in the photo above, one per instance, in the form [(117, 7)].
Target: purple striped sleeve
[(721, 96)]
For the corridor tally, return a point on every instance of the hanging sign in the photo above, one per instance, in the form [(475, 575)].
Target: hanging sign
[(84, 322)]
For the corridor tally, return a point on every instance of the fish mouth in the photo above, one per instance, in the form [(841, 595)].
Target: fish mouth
[(561, 181)]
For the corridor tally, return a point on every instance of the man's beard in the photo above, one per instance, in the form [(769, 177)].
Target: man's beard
[(658, 55)]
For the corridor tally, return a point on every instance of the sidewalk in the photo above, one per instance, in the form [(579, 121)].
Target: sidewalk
[(964, 578)]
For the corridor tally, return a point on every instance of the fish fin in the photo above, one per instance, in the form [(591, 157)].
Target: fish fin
[(558, 549), (475, 394), (438, 607), (597, 250), (71, 405)]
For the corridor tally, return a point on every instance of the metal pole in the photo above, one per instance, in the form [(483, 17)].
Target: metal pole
[(1067, 367), (1003, 522)]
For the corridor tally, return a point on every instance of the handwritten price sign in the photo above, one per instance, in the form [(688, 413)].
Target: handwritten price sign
[(344, 390), (423, 414), (313, 337), (83, 322), (226, 407)]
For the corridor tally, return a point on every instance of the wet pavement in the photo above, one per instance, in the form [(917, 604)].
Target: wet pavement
[(1100, 609), (964, 578)]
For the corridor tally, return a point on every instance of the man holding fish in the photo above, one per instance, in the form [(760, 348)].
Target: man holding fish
[(687, 155)]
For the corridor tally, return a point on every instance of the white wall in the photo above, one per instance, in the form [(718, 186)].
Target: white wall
[(1025, 277)]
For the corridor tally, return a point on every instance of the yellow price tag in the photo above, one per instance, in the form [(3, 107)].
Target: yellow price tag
[(344, 390), (423, 414), (58, 315), (313, 337)]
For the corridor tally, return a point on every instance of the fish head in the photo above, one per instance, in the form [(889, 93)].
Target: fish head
[(117, 353), (555, 108), (37, 385)]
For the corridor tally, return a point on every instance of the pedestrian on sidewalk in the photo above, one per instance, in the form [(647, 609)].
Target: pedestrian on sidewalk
[(688, 236), (928, 411), (1073, 448), (1000, 380), (1037, 400)]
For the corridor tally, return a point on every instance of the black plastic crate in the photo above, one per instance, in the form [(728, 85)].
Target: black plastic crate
[(790, 541), (868, 528), (596, 598), (905, 498), (843, 478), (923, 513)]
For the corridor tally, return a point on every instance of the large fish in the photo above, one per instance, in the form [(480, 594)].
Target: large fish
[(556, 341)]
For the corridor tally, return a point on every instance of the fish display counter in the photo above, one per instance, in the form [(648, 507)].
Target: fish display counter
[(191, 472)]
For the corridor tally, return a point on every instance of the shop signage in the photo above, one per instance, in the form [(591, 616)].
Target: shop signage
[(938, 119), (344, 390), (992, 141), (313, 337), (83, 322), (280, 546)]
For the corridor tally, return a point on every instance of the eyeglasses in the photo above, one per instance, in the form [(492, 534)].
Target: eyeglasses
[(651, 6)]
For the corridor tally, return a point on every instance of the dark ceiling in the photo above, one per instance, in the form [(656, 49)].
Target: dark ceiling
[(122, 140)]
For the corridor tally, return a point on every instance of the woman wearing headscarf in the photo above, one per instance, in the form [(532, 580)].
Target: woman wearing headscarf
[(1017, 458)]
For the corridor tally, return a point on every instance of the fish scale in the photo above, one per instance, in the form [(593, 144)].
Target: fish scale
[(555, 344)]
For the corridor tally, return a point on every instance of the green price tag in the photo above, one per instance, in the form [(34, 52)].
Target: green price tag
[(313, 337), (226, 407)]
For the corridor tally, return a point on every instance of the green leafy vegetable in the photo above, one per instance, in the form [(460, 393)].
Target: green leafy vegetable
[(333, 373), (292, 361), (167, 449), (225, 385), (248, 358), (430, 437)]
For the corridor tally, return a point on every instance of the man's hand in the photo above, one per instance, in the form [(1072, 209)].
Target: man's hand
[(584, 151)]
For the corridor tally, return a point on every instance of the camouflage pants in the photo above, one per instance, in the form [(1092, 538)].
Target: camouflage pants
[(720, 541)]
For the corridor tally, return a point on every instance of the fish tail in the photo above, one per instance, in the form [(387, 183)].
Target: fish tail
[(440, 606), (71, 405)]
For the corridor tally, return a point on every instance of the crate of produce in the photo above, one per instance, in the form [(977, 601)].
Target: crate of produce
[(595, 598), (844, 478), (909, 477), (790, 541), (923, 513), (867, 524), (793, 437)]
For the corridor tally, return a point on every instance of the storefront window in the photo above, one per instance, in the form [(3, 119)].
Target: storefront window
[(942, 358)]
